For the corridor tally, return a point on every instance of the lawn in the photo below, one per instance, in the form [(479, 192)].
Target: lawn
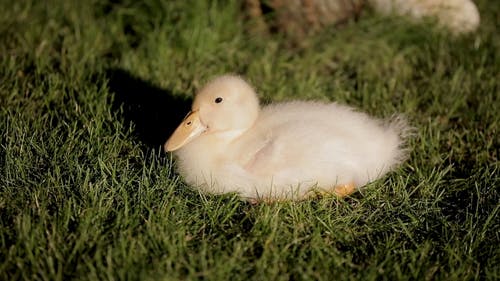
[(89, 91)]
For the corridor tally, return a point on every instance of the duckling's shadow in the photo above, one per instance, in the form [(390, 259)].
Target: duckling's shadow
[(155, 112)]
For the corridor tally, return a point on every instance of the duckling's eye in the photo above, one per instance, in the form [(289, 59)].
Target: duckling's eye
[(218, 100)]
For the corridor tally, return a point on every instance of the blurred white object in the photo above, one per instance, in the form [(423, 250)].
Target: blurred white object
[(459, 16)]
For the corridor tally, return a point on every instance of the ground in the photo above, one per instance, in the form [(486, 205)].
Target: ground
[(90, 90)]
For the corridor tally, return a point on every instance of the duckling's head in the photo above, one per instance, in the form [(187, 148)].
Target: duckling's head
[(227, 106)]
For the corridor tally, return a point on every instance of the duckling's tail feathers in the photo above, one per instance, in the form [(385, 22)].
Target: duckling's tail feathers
[(400, 126)]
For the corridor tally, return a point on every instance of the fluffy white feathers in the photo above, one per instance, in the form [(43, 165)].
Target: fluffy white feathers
[(284, 150)]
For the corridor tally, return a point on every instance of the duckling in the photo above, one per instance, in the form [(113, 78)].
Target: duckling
[(283, 151)]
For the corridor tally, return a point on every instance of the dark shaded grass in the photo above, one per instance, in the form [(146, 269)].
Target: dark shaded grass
[(90, 90)]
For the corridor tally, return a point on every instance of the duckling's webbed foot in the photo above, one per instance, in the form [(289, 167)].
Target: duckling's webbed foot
[(343, 190), (340, 190)]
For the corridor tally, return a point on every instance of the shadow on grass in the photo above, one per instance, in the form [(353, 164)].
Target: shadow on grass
[(155, 112)]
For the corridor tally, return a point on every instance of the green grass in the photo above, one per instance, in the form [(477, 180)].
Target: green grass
[(89, 90)]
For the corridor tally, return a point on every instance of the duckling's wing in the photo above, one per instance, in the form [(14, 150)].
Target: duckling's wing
[(261, 158)]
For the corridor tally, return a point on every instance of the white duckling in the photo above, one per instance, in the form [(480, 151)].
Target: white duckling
[(289, 150)]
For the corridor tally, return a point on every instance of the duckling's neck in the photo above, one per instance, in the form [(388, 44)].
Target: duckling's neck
[(211, 146), (201, 157), (226, 137)]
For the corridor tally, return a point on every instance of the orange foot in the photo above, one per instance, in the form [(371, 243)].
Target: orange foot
[(342, 190)]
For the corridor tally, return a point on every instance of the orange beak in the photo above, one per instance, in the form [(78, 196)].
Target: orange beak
[(190, 128)]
